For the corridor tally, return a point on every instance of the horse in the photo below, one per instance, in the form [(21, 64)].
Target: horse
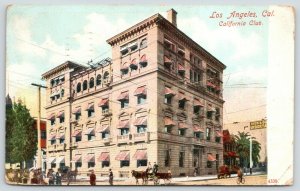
[(140, 175)]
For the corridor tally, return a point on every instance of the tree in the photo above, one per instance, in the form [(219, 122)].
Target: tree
[(21, 136), (243, 148)]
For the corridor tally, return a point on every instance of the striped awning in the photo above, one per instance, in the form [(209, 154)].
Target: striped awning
[(133, 64), (90, 131), (182, 125), (77, 158), (76, 110), (219, 134), (182, 97), (60, 159), (51, 116), (140, 91), (52, 137), (89, 158), (76, 133), (123, 96), (51, 160), (124, 66), (103, 128), (142, 121), (140, 155), (143, 59), (198, 103), (197, 129), (123, 124), (169, 92), (123, 155), (60, 136), (167, 60), (60, 114), (104, 156), (89, 106), (169, 121), (210, 157), (103, 102), (181, 68)]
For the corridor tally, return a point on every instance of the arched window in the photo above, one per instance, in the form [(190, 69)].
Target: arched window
[(78, 87), (52, 83), (143, 61), (92, 82), (62, 93), (84, 86), (143, 43), (106, 75), (98, 80), (133, 65)]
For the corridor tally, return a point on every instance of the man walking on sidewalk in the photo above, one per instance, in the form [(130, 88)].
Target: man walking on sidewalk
[(93, 178), (111, 177)]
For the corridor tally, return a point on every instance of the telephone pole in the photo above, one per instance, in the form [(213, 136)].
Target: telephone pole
[(39, 161)]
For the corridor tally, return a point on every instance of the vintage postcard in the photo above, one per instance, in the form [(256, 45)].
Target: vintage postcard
[(149, 95)]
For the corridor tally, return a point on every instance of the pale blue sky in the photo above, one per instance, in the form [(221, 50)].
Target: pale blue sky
[(42, 37)]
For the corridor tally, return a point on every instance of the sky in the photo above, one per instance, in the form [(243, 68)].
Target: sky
[(42, 37)]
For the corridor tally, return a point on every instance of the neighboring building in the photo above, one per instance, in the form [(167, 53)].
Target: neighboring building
[(229, 144), (260, 135), (158, 100), (43, 144)]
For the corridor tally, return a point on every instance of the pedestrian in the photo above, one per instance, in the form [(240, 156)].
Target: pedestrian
[(58, 178), (93, 178), (155, 168), (50, 176), (111, 177)]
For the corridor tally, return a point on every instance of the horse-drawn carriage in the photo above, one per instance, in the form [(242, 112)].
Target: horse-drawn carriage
[(225, 171), (151, 176)]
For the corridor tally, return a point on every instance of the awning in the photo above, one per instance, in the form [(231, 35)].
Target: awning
[(76, 110), (103, 128), (133, 64), (60, 160), (210, 108), (103, 102), (90, 158), (124, 49), (181, 50), (140, 155), (210, 84), (180, 68), (60, 114), (51, 160), (142, 121), (60, 136), (210, 157), (52, 137), (123, 96), (123, 155), (123, 124), (51, 116), (169, 92), (219, 134), (77, 158), (143, 59), (104, 156), (167, 60), (124, 66), (197, 128), (90, 131), (182, 125), (140, 91), (89, 106), (182, 97), (168, 121), (167, 41), (198, 103), (76, 134), (133, 44)]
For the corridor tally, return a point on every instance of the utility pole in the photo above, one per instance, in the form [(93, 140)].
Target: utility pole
[(39, 161), (251, 162)]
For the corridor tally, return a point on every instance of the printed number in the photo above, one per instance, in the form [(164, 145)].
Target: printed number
[(273, 181)]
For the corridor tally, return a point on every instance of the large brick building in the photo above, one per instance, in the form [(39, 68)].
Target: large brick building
[(159, 99)]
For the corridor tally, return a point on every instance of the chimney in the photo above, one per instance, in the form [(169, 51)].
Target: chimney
[(172, 14)]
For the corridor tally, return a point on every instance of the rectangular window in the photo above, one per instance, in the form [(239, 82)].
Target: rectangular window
[(141, 99), (77, 116), (105, 109), (78, 164), (61, 141), (43, 135), (181, 132), (53, 121), (105, 135), (91, 113), (191, 76), (91, 164), (105, 164), (53, 165), (196, 109), (209, 114), (78, 139), (168, 99), (218, 139), (209, 164), (181, 159), (168, 129), (167, 158), (208, 132), (141, 163), (91, 137), (61, 165), (53, 142), (141, 129), (124, 131), (124, 103), (124, 163), (181, 104), (61, 119)]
